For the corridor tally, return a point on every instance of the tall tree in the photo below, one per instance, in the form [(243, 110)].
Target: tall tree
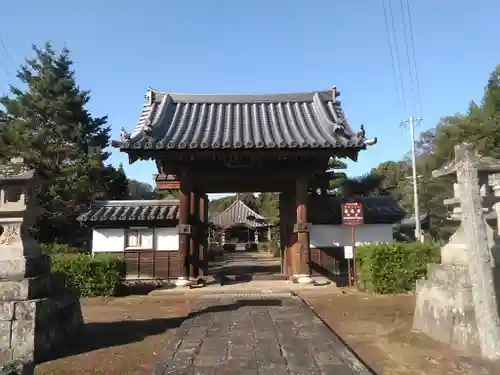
[(47, 123)]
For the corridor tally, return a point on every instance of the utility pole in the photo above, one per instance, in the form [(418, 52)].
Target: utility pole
[(413, 121)]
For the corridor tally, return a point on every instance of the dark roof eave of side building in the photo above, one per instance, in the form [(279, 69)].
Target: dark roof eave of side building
[(130, 211), (190, 122)]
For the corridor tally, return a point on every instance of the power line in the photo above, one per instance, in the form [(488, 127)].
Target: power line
[(407, 49), (4, 68), (398, 62), (408, 10), (5, 58), (394, 75), (7, 54)]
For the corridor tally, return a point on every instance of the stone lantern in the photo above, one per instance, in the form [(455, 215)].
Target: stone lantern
[(37, 313), (20, 254), (444, 308)]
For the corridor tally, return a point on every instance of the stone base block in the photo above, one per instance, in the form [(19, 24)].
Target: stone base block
[(31, 330), (19, 268), (17, 368), (31, 288), (303, 279), (183, 282), (445, 313)]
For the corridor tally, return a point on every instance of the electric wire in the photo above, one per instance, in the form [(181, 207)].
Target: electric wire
[(391, 52), (5, 59), (407, 50), (7, 54), (398, 61), (412, 44)]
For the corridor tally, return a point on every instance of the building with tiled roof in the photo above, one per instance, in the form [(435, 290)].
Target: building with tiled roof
[(144, 232)]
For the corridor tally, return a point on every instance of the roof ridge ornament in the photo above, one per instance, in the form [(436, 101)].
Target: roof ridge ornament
[(150, 96), (335, 92), (124, 135)]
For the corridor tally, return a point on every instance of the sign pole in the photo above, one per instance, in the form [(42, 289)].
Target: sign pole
[(349, 274), (352, 216), (354, 273)]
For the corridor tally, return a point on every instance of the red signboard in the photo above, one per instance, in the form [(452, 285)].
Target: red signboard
[(352, 213)]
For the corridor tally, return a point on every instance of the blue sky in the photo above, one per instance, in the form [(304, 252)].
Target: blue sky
[(121, 48)]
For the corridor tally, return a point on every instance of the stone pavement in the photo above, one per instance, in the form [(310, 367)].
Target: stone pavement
[(253, 335)]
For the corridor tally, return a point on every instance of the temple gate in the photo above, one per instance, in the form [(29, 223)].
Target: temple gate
[(243, 143)]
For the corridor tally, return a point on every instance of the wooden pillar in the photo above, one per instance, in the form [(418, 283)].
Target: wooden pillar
[(202, 235), (193, 240), (292, 248), (287, 220), (283, 253), (184, 228), (301, 198)]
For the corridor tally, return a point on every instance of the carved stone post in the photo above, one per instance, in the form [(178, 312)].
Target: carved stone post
[(479, 253), (303, 276), (457, 303)]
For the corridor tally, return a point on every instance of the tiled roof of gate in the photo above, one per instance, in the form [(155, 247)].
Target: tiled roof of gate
[(138, 210), (265, 121), (239, 213), (377, 210)]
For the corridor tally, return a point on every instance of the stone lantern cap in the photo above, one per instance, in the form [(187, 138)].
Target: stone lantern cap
[(16, 170), (482, 163)]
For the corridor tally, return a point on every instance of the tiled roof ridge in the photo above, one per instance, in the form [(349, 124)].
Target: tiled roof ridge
[(306, 119), (131, 210), (133, 202), (236, 201)]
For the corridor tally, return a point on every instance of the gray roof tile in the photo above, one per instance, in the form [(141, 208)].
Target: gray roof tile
[(202, 121), (239, 213), (141, 210)]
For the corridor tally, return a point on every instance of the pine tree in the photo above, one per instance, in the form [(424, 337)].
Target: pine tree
[(48, 125)]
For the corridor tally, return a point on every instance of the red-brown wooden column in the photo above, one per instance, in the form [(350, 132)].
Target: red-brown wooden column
[(301, 196), (287, 220), (193, 240), (202, 235), (283, 239), (184, 230)]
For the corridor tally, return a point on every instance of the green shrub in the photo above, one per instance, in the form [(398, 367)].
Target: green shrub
[(393, 267), (57, 248), (98, 275)]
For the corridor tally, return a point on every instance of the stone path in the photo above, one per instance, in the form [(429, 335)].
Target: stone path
[(243, 262), (253, 335)]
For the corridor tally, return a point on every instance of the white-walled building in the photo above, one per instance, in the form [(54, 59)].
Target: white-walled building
[(143, 231)]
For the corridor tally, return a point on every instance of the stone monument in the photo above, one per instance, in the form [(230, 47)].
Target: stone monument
[(457, 303), (37, 313)]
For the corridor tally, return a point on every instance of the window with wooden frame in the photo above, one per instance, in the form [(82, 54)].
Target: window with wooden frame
[(139, 238)]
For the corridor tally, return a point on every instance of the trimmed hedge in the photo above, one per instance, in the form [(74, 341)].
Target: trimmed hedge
[(393, 267), (57, 248), (98, 275)]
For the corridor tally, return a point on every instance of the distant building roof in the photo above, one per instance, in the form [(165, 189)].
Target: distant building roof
[(131, 210), (411, 222), (264, 121), (238, 213), (384, 209)]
